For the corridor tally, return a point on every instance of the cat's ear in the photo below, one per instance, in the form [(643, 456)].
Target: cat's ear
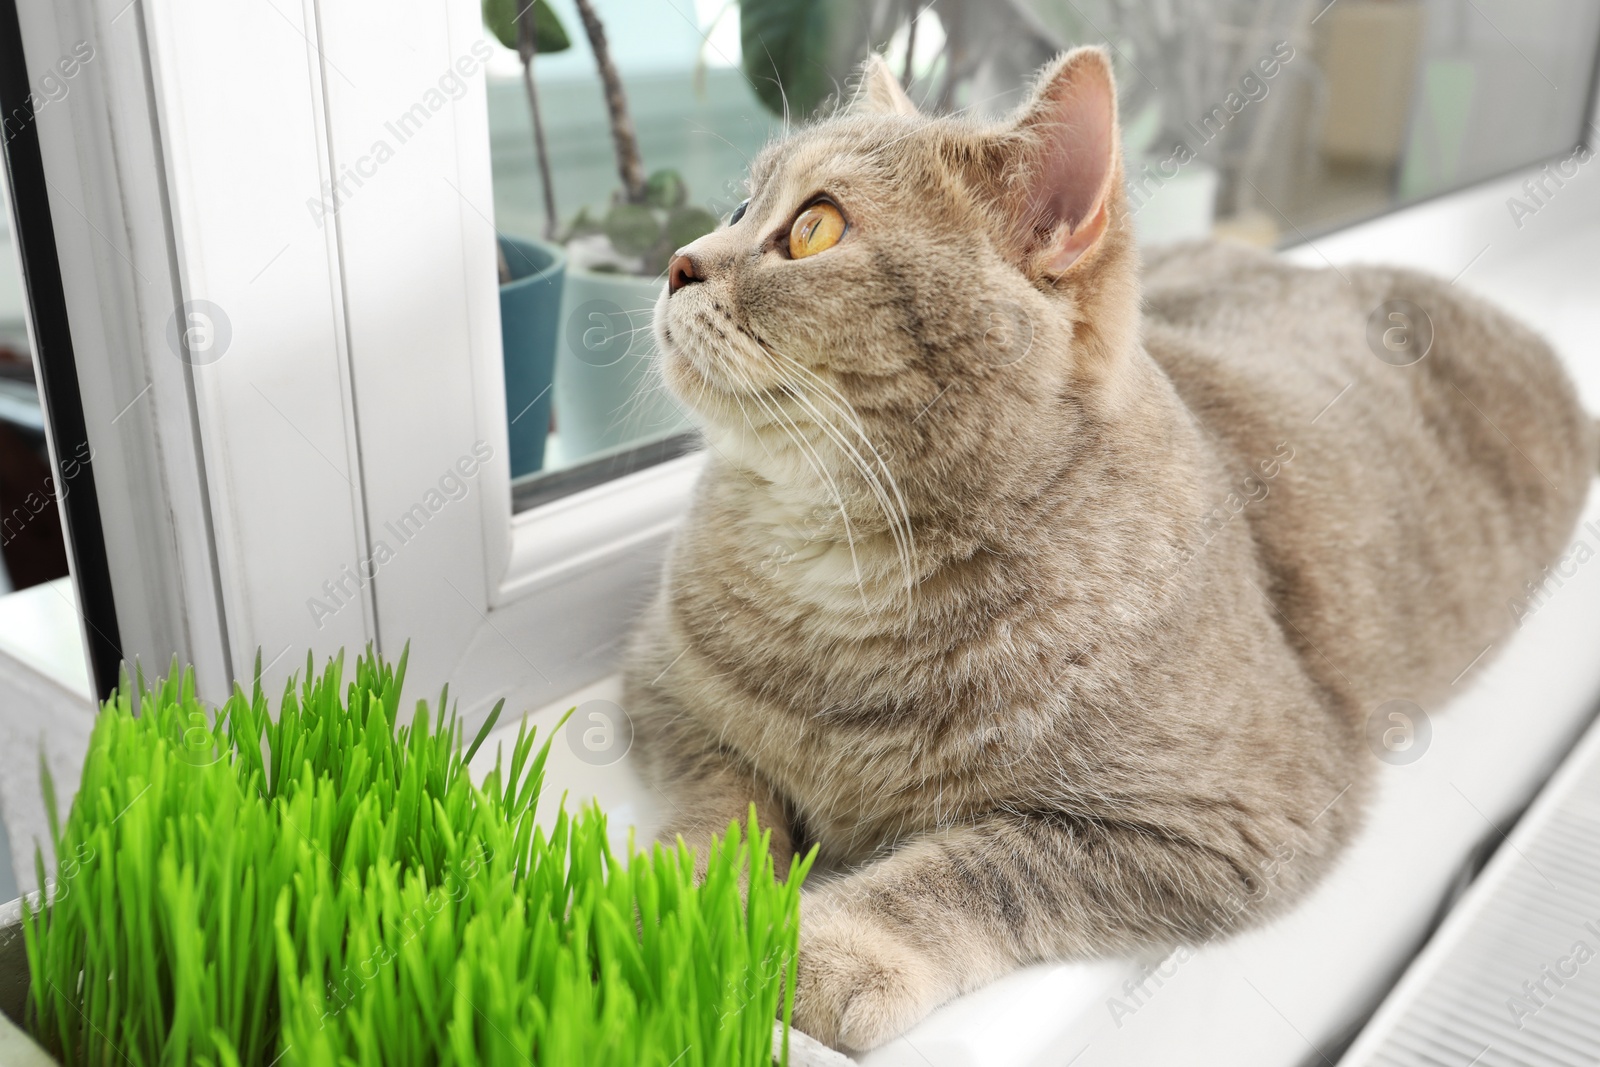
[(879, 92), (1068, 161)]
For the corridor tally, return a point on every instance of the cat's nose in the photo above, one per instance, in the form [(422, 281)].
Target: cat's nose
[(681, 271)]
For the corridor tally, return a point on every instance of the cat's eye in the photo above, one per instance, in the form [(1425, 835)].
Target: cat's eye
[(738, 213), (817, 229)]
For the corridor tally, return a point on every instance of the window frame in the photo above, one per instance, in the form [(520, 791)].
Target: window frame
[(137, 591), (239, 487)]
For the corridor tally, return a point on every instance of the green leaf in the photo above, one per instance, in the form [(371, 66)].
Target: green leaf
[(484, 730), (633, 229), (801, 51), (685, 224), (583, 224), (552, 35), (665, 189), (47, 783), (500, 16)]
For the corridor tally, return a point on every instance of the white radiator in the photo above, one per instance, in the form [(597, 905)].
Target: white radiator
[(1512, 978)]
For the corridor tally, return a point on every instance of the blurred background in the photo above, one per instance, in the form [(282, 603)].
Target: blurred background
[(1270, 121)]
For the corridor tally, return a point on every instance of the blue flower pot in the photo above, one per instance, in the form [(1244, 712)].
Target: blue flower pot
[(530, 306)]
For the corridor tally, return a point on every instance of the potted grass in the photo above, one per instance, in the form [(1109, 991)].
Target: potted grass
[(326, 884)]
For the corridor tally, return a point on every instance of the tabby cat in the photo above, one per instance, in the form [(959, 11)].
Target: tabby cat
[(1048, 594)]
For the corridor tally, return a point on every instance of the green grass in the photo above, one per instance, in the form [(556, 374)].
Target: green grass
[(320, 887)]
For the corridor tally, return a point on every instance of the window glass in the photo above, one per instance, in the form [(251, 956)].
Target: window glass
[(1264, 120), (583, 399)]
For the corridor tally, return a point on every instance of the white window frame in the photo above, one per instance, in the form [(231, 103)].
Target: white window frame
[(363, 362)]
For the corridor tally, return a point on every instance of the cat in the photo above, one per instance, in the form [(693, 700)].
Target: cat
[(1054, 619)]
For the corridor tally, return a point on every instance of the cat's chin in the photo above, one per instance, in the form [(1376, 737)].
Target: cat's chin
[(713, 384), (691, 386)]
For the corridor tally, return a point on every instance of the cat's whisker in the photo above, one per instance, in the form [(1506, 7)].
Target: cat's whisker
[(744, 413), (869, 476), (818, 467), (842, 405), (895, 511), (820, 419), (713, 133), (630, 331), (782, 95), (634, 409)]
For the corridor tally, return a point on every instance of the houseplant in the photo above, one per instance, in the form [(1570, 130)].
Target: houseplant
[(320, 886), (609, 278)]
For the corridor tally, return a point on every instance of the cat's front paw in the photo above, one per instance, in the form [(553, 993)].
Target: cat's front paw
[(858, 985)]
